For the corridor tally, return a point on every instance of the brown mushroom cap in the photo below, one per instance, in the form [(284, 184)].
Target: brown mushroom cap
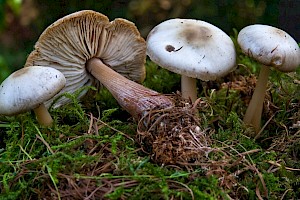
[(71, 41)]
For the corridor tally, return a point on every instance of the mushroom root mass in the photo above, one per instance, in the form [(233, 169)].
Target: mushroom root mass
[(89, 49), (168, 128)]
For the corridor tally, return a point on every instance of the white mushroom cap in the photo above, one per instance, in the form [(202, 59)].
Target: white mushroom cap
[(71, 41), (270, 46), (192, 48), (29, 87)]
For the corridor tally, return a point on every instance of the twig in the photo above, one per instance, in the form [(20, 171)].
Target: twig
[(258, 193), (264, 126), (285, 193), (91, 124), (120, 132), (45, 143), (279, 165), (249, 152)]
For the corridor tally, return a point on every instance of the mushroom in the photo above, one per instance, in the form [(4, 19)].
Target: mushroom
[(192, 48), (69, 43), (271, 47), (28, 88), (84, 43), (86, 48)]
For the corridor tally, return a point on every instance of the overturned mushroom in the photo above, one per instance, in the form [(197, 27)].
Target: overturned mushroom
[(87, 48), (168, 129), (70, 42)]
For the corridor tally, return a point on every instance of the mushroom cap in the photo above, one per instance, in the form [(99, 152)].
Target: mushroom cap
[(191, 47), (29, 87), (270, 46), (71, 41)]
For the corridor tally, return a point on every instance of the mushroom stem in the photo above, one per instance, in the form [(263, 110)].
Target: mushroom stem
[(43, 116), (133, 97), (254, 110), (189, 87)]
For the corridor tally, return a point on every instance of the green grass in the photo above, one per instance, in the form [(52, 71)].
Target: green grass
[(91, 150)]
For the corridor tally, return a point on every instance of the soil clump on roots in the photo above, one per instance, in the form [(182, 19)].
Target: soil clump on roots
[(174, 135)]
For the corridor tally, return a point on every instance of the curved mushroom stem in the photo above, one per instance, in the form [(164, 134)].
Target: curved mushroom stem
[(254, 110), (189, 87), (133, 97), (43, 116)]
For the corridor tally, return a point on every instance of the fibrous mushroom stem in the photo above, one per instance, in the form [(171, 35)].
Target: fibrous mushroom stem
[(189, 87), (254, 110), (43, 116), (133, 97)]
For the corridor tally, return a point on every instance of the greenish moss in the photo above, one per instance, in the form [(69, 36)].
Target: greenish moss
[(92, 147)]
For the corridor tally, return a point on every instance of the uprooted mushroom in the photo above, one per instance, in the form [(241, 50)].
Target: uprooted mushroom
[(87, 48), (168, 127)]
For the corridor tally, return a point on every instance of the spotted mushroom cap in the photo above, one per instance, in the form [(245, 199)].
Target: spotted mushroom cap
[(270, 46), (191, 47), (29, 87), (71, 41)]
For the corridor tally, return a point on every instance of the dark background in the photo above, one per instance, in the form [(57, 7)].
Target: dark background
[(21, 22)]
